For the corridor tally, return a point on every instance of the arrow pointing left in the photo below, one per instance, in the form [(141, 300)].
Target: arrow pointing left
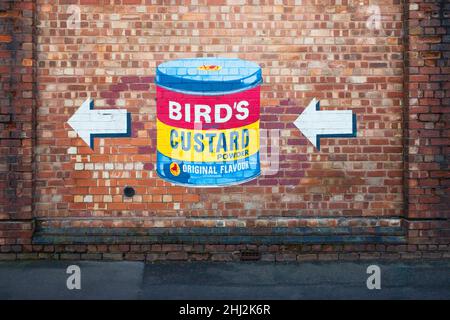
[(103, 123), (316, 124)]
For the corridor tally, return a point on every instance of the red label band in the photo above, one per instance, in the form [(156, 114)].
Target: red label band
[(224, 111)]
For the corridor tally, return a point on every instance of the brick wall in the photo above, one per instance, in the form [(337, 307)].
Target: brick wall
[(427, 131), (17, 108), (381, 194), (308, 50)]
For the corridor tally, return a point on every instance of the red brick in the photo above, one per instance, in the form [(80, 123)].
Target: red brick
[(362, 176)]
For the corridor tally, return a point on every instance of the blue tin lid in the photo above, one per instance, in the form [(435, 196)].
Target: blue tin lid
[(208, 75)]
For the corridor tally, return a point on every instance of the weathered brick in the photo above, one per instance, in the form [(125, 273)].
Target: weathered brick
[(362, 177), (112, 256), (176, 256)]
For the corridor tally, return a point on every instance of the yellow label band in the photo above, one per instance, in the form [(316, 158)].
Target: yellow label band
[(208, 145)]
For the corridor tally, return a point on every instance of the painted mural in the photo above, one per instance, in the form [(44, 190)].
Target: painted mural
[(208, 122), (208, 112)]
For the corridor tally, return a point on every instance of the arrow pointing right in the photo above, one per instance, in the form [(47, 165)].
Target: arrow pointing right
[(315, 124)]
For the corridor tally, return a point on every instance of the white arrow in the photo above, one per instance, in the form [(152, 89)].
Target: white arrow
[(89, 123), (315, 124)]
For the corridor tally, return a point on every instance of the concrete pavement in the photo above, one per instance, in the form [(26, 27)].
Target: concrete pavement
[(216, 280)]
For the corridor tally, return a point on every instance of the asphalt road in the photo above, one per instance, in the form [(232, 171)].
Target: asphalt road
[(215, 280)]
